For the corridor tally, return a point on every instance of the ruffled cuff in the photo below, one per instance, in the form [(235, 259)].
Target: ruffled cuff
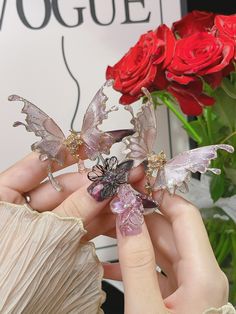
[(226, 309), (43, 266)]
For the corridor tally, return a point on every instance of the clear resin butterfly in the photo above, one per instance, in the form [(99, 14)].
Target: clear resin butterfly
[(168, 174), (53, 143)]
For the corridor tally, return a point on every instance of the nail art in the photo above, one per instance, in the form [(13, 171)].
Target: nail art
[(108, 177), (129, 207)]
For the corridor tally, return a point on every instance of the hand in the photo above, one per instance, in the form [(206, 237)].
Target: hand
[(25, 178), (175, 240)]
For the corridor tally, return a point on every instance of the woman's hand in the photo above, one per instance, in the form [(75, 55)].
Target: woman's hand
[(25, 179), (177, 241)]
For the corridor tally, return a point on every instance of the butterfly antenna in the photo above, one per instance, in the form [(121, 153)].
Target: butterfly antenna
[(100, 158), (52, 180), (76, 82), (81, 166)]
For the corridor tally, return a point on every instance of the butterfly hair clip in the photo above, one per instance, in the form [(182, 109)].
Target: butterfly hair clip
[(108, 177), (163, 174), (54, 144)]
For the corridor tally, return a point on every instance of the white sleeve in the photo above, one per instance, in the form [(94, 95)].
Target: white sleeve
[(226, 309), (44, 268)]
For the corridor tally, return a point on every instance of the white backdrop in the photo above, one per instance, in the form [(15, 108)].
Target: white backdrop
[(32, 66)]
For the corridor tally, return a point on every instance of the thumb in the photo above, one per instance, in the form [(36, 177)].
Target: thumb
[(138, 268)]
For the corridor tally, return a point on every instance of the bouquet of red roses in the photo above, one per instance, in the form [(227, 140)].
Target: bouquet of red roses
[(190, 66)]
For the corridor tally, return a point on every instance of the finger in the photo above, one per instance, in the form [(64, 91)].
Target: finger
[(188, 228), (27, 173), (82, 205), (105, 223), (136, 175), (46, 198), (162, 236), (102, 224), (138, 268), (163, 241), (112, 271), (111, 233), (10, 196), (160, 230)]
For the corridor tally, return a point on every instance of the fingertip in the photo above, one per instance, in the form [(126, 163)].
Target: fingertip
[(173, 205), (138, 269), (81, 204), (135, 250)]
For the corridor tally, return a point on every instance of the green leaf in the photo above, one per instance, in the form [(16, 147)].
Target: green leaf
[(224, 109), (231, 174), (233, 78), (229, 87), (230, 189), (217, 186)]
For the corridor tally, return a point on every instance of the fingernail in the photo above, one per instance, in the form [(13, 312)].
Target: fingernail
[(129, 209), (96, 190), (149, 205), (131, 227)]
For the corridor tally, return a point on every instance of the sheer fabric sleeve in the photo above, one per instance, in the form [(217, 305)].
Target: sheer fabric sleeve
[(226, 309), (44, 266)]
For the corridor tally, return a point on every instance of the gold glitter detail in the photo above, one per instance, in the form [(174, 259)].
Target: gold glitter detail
[(73, 143), (148, 187), (155, 163)]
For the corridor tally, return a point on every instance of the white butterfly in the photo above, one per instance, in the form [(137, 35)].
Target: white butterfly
[(172, 174)]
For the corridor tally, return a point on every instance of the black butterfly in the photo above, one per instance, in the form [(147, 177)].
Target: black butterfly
[(108, 177)]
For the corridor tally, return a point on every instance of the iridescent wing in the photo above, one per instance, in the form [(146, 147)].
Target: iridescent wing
[(176, 172), (139, 145), (96, 141), (51, 145)]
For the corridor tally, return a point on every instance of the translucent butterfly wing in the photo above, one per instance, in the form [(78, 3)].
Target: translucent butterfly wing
[(176, 171), (139, 145), (51, 146), (96, 141)]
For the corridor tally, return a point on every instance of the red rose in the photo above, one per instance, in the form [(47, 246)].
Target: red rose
[(201, 54), (143, 65), (226, 27), (190, 97), (196, 21)]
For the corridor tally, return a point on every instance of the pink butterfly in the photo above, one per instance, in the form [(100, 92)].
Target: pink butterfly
[(172, 174), (53, 143)]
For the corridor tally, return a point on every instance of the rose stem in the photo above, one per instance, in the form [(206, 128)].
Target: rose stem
[(187, 126)]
